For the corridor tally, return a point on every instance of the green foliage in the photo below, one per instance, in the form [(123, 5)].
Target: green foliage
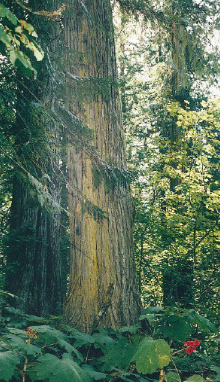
[(119, 356), (172, 377), (65, 369), (176, 324), (16, 37), (195, 378), (9, 362), (173, 151), (151, 355), (48, 351)]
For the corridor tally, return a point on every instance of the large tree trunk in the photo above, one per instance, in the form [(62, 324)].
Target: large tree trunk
[(33, 254), (102, 288)]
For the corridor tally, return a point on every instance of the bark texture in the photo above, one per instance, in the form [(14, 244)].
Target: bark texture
[(33, 254), (102, 288)]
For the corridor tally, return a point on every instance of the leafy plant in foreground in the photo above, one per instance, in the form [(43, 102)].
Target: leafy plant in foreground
[(38, 349)]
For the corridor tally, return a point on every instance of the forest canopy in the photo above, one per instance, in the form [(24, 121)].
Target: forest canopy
[(109, 190)]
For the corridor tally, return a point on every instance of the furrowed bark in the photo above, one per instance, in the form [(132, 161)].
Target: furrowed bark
[(102, 287)]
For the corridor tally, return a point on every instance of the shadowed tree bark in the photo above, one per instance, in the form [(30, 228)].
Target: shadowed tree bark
[(33, 254)]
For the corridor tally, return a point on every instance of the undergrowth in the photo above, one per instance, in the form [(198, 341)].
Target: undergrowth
[(168, 344)]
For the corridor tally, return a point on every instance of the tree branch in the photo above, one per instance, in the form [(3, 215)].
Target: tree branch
[(49, 14)]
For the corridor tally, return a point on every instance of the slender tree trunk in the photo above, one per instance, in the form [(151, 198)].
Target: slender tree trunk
[(102, 288), (177, 283)]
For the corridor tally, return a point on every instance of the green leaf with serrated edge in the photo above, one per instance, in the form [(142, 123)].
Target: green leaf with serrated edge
[(8, 364), (21, 346), (151, 355), (16, 331), (195, 378), (119, 356), (172, 377), (5, 12), (49, 335), (55, 369)]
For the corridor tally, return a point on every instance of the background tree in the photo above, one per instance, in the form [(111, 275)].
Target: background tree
[(33, 244), (171, 71)]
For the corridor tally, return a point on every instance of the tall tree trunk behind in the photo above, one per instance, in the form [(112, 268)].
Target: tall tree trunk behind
[(102, 288), (177, 282), (33, 254)]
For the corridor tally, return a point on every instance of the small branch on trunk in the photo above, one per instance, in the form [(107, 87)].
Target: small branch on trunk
[(49, 14)]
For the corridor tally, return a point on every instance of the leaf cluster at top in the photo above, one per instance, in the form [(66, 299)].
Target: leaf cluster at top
[(17, 36)]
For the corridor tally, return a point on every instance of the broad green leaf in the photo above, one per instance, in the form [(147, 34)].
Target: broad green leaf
[(195, 378), (8, 365), (151, 355), (172, 377), (55, 369), (28, 27), (36, 49), (32, 45), (5, 38), (119, 356), (21, 61), (49, 335), (5, 12)]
